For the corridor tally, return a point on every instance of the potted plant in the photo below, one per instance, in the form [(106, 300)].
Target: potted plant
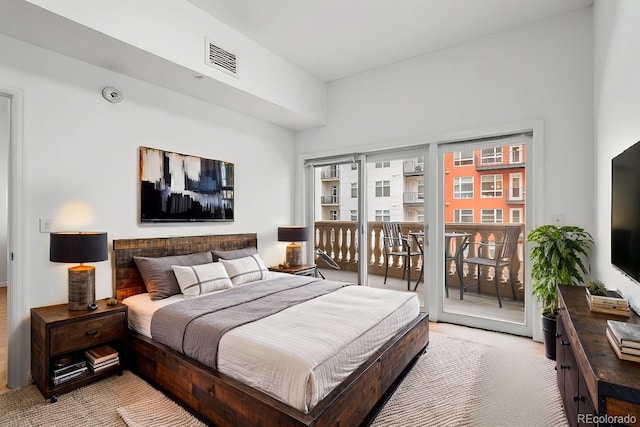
[(560, 257)]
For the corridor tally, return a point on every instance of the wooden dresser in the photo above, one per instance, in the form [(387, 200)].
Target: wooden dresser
[(596, 386)]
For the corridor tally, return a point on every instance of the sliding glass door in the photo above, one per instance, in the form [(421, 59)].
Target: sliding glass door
[(483, 229), (456, 204)]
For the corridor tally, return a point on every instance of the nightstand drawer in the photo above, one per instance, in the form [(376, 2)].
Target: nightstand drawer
[(77, 335)]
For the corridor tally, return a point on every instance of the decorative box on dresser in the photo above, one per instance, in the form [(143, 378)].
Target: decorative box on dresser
[(57, 332), (597, 387)]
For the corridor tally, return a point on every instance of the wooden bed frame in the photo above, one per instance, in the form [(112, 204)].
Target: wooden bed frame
[(224, 401)]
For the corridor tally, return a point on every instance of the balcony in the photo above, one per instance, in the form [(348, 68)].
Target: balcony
[(413, 167), (339, 240), (515, 196), (329, 200), (413, 198), (330, 175), (499, 163)]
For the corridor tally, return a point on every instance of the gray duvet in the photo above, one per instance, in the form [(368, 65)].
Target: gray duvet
[(194, 326)]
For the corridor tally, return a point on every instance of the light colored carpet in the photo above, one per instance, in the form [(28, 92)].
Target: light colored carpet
[(462, 383), (115, 401), (456, 383)]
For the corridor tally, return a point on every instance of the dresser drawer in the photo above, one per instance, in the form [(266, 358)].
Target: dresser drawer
[(78, 335)]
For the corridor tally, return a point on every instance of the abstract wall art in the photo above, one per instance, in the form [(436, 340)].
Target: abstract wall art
[(178, 187)]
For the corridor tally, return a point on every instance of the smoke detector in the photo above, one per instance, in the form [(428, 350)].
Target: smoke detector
[(112, 95)]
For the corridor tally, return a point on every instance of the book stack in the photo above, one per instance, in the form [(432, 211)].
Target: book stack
[(102, 357), (614, 303), (625, 339), (66, 368)]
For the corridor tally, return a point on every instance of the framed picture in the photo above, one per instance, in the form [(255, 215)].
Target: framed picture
[(178, 187)]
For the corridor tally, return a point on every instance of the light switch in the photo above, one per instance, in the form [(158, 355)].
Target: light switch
[(45, 225)]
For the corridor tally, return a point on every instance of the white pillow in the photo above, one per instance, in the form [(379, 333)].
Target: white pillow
[(246, 269), (201, 279)]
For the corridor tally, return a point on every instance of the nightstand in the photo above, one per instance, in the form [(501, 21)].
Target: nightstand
[(57, 333), (301, 270)]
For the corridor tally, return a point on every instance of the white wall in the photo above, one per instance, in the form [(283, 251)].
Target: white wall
[(617, 108), (539, 71), (81, 160)]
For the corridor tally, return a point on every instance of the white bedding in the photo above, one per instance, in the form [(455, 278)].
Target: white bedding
[(311, 347)]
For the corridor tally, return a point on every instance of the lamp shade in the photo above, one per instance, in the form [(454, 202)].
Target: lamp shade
[(72, 247), (292, 234)]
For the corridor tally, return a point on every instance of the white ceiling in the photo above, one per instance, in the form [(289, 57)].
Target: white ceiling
[(332, 39)]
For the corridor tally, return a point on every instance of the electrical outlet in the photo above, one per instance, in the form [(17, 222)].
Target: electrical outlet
[(45, 225), (557, 220)]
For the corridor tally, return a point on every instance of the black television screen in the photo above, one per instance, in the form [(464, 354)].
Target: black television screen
[(625, 211)]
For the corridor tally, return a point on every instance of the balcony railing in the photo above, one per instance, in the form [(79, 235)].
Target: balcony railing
[(329, 200), (330, 174), (499, 162), (515, 195), (413, 167), (339, 240), (413, 197)]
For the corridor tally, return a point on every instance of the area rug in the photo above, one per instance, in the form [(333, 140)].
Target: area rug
[(122, 401), (455, 383), (462, 383), (438, 390)]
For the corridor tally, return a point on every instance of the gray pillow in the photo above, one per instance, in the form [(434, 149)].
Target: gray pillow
[(158, 275), (234, 254)]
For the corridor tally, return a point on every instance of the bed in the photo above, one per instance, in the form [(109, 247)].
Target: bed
[(221, 398)]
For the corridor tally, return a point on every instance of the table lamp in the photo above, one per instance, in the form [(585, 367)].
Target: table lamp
[(293, 234), (80, 247)]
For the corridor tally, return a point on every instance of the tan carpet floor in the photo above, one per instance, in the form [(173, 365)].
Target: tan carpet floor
[(456, 383)]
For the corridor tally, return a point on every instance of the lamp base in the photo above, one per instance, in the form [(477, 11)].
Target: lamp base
[(82, 287), (294, 255)]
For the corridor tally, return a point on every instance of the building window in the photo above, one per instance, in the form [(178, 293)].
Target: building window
[(383, 189), (491, 215), (463, 187), (516, 215), (383, 215), (463, 158), (354, 190), (515, 154), (491, 155), (333, 215), (385, 164), (354, 215), (420, 216), (491, 185), (463, 215)]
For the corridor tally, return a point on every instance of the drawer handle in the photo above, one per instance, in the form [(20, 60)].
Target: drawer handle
[(578, 398), (565, 366), (564, 342), (92, 332)]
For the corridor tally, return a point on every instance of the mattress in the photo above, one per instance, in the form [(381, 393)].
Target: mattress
[(311, 347)]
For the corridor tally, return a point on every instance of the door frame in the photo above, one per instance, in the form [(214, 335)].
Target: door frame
[(533, 213), (18, 366)]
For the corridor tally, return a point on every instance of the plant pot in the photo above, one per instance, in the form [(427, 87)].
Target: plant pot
[(549, 333)]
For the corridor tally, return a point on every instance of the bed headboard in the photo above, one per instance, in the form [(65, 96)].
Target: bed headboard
[(127, 278)]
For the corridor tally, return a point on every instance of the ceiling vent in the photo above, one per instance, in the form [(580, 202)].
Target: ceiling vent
[(220, 58)]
